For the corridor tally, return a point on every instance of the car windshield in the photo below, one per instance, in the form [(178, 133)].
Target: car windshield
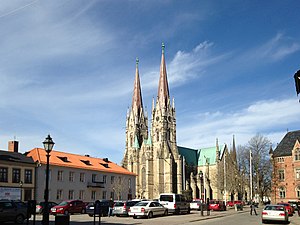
[(166, 198), (274, 207), (142, 204), (63, 203), (119, 204)]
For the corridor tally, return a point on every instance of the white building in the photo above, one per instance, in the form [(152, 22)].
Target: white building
[(81, 177)]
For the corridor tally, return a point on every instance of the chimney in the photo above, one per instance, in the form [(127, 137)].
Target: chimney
[(13, 146)]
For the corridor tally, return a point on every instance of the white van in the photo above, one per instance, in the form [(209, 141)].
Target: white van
[(176, 203)]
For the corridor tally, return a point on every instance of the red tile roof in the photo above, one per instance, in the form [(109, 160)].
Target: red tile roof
[(77, 161)]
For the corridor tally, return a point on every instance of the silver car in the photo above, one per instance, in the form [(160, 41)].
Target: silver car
[(274, 213), (147, 209)]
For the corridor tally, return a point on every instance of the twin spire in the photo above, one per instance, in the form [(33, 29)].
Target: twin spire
[(163, 88)]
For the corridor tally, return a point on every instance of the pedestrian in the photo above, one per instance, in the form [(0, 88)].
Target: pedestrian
[(252, 208), (110, 207)]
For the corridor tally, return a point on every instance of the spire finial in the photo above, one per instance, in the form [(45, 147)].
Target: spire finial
[(137, 61), (163, 48)]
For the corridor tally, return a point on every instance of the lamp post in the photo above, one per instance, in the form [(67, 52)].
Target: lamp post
[(201, 190), (48, 146), (21, 185)]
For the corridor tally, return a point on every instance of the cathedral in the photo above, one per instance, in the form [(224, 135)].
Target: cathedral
[(162, 166)]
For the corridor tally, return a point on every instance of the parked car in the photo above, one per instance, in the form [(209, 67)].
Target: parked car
[(121, 207), (69, 207), (147, 209), (196, 205), (103, 207), (233, 203), (39, 209), (288, 207), (217, 205), (274, 213), (10, 211), (175, 203)]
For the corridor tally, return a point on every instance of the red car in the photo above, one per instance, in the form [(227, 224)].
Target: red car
[(217, 205), (69, 207), (288, 207)]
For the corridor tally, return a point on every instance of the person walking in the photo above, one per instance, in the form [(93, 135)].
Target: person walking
[(252, 208)]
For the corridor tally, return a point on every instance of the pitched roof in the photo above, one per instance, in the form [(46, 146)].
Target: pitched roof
[(77, 161), (285, 147), (190, 155), (208, 155), (14, 157)]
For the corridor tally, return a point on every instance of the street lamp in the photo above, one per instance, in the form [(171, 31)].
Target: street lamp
[(48, 146), (21, 185), (201, 190)]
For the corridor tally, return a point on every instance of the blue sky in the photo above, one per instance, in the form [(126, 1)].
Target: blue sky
[(67, 68)]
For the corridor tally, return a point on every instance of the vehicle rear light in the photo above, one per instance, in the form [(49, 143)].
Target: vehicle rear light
[(264, 213), (124, 206), (281, 214), (174, 206), (39, 207), (129, 210), (198, 204), (142, 209)]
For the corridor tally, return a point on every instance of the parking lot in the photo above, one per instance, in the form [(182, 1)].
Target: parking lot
[(194, 216)]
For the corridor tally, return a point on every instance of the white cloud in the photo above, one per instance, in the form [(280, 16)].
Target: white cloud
[(265, 117)]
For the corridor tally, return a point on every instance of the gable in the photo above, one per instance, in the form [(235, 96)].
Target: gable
[(285, 147)]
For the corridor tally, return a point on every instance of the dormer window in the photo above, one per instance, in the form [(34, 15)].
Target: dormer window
[(86, 162), (63, 158), (297, 154)]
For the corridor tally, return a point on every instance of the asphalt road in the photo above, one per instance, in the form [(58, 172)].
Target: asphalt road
[(229, 217)]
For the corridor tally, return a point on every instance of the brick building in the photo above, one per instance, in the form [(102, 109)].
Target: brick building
[(286, 169)]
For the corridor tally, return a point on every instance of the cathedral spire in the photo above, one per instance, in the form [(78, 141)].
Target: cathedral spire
[(234, 150), (163, 89), (137, 103)]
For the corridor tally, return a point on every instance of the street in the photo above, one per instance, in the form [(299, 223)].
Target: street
[(228, 217)]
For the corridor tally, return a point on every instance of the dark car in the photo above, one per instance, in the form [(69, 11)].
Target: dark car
[(11, 211), (103, 209), (40, 207), (121, 207), (69, 207)]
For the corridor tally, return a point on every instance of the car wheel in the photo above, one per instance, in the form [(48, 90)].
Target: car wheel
[(66, 212), (188, 211), (90, 215), (134, 217), (19, 219), (263, 221), (150, 215)]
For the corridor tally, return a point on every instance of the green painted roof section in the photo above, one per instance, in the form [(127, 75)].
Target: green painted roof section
[(136, 143), (190, 155), (208, 155), (148, 141)]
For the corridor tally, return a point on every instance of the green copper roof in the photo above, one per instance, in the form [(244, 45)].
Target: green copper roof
[(208, 155), (136, 143), (190, 155)]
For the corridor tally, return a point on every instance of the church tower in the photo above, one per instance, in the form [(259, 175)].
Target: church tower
[(168, 164), (153, 156)]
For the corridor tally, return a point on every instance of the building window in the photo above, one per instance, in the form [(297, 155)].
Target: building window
[(104, 179), (3, 174), (71, 194), (112, 179), (81, 194), (129, 183), (60, 175), (104, 195), (281, 175), (112, 195), (298, 174), (93, 196), (280, 159), (297, 154), (281, 192), (81, 177), (59, 194), (28, 176), (120, 180), (298, 192), (94, 177), (16, 176), (71, 176)]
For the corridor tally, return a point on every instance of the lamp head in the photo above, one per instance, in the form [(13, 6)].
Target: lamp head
[(48, 144)]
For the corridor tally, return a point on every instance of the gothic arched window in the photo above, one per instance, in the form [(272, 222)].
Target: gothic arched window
[(157, 136), (143, 178), (281, 192), (298, 191), (297, 154)]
